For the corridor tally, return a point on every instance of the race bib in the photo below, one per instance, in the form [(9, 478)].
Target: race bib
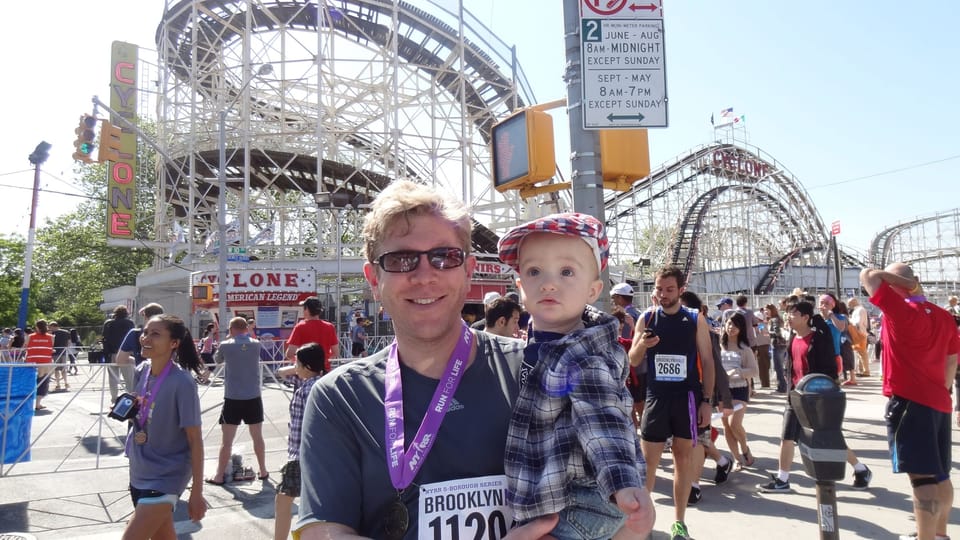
[(468, 509), (670, 367)]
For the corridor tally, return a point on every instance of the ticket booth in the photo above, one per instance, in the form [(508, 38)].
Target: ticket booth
[(270, 297)]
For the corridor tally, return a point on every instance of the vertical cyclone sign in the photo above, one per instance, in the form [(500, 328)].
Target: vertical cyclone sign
[(121, 174)]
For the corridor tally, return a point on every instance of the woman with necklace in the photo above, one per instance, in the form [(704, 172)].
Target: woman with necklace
[(164, 444)]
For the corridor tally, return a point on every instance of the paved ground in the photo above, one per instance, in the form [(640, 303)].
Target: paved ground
[(63, 492)]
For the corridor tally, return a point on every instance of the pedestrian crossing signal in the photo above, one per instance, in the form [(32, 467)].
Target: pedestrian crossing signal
[(202, 292)]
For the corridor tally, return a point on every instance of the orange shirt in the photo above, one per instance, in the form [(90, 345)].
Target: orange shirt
[(39, 348)]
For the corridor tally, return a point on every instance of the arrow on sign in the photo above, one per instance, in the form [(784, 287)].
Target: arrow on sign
[(614, 117), (648, 7)]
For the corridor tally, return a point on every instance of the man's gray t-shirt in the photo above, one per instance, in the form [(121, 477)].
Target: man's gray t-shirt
[(163, 463), (242, 373), (342, 453)]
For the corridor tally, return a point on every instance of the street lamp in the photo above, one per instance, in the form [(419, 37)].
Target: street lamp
[(338, 201), (222, 323), (37, 158)]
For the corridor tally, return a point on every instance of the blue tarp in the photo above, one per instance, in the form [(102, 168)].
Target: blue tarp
[(18, 385)]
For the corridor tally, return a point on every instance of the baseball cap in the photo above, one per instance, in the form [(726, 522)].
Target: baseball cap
[(490, 297), (623, 289), (312, 303), (311, 355), (725, 300), (576, 224)]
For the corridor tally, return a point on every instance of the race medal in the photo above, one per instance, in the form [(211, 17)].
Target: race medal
[(140, 437), (396, 520)]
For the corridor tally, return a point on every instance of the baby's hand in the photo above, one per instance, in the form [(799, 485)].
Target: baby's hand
[(635, 502)]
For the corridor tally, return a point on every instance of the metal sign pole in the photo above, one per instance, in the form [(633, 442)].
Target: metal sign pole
[(585, 176)]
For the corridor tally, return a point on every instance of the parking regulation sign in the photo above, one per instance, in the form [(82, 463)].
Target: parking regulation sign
[(623, 62)]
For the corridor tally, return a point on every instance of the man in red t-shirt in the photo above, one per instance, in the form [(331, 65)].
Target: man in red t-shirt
[(920, 347), (313, 329)]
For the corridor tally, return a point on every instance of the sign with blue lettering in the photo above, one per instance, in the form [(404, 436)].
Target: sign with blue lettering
[(623, 64)]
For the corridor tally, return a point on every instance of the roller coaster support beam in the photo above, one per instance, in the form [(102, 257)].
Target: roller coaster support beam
[(585, 176)]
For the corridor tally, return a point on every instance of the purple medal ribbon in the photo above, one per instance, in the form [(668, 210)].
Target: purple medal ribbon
[(148, 397), (404, 465)]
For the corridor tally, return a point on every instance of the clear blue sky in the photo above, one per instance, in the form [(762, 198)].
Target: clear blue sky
[(834, 91)]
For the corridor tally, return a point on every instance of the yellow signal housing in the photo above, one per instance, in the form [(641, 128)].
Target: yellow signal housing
[(523, 152), (109, 142), (202, 292), (624, 157)]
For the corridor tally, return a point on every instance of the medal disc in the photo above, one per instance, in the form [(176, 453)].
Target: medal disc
[(396, 520), (140, 437)]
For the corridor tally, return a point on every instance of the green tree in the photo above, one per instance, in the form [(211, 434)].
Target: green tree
[(73, 262), (12, 250)]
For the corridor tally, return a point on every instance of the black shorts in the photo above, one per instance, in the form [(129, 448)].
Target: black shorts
[(152, 496), (357, 349), (248, 411), (846, 353), (669, 415), (919, 438), (290, 479), (791, 425), (207, 359), (740, 393)]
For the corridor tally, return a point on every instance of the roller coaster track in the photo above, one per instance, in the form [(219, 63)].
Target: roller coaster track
[(881, 244), (193, 36), (780, 193)]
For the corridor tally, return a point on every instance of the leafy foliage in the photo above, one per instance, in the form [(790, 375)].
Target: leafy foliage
[(12, 250)]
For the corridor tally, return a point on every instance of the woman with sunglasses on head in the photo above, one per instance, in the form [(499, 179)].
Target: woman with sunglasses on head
[(740, 363), (164, 443)]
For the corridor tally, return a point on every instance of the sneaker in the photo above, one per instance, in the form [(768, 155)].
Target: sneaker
[(679, 531), (913, 536), (695, 495), (722, 473), (861, 480), (775, 485)]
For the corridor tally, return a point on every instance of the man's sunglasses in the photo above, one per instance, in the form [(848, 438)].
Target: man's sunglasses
[(407, 261)]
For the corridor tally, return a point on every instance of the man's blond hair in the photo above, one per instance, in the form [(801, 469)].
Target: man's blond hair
[(402, 200)]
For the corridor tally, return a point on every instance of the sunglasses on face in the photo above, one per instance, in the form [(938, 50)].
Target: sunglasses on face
[(441, 258)]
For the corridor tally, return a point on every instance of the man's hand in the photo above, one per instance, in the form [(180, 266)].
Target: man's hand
[(635, 502), (704, 414), (535, 530), (958, 418)]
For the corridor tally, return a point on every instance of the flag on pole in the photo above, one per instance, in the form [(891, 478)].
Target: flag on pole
[(726, 118)]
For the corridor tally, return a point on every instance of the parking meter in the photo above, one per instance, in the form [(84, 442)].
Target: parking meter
[(819, 405)]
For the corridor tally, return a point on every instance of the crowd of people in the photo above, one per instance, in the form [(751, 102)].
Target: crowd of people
[(560, 407)]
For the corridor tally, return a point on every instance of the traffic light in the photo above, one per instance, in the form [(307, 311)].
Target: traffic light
[(624, 157), (109, 142), (202, 292), (85, 136), (523, 152)]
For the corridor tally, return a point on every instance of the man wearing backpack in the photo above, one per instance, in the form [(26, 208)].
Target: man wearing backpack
[(810, 350)]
